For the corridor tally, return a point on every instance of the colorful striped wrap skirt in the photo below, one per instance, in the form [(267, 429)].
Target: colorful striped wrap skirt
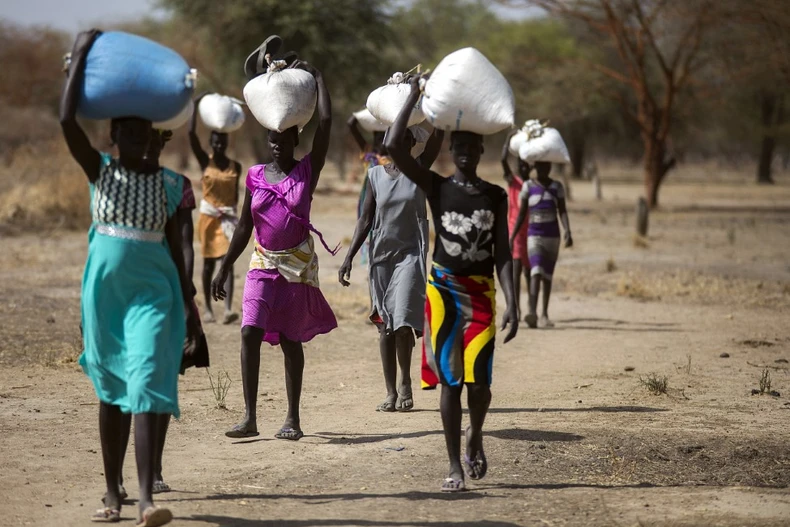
[(460, 328)]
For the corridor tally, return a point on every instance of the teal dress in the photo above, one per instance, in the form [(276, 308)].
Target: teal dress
[(132, 307)]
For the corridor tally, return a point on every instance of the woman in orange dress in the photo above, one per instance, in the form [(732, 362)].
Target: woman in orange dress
[(217, 212)]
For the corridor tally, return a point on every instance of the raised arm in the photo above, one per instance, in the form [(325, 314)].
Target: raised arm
[(78, 143), (504, 267), (237, 245), (361, 232), (399, 152), (562, 209), (194, 140), (432, 148), (321, 137), (508, 173), (353, 127)]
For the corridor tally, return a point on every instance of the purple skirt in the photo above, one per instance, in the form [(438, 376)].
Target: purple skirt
[(295, 311)]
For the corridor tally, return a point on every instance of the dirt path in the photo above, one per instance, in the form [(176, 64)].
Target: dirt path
[(572, 438)]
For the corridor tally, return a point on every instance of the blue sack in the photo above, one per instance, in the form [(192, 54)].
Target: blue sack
[(131, 76)]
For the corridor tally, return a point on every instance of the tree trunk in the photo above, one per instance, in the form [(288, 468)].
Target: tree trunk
[(656, 167), (768, 108)]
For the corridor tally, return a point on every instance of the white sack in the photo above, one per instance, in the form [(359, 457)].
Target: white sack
[(282, 99), (386, 102), (466, 92), (221, 113), (516, 141), (179, 120), (368, 122), (548, 147)]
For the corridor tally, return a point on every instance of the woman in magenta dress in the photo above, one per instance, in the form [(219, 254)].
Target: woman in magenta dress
[(282, 302)]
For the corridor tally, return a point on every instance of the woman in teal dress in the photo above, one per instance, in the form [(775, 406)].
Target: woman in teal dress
[(134, 293)]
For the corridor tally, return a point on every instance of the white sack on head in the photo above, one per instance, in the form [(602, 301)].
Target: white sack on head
[(386, 102), (368, 122), (281, 99), (516, 141), (548, 147), (467, 93), (221, 113), (179, 120)]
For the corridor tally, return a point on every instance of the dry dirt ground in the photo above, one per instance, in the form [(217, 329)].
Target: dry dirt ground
[(573, 437)]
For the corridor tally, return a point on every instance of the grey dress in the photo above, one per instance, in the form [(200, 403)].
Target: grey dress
[(398, 248)]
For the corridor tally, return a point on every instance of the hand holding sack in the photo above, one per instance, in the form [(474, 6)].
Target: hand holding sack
[(385, 103), (543, 144), (130, 76), (221, 113), (467, 93), (282, 98), (368, 122)]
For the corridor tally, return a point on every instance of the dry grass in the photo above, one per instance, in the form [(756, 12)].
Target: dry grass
[(655, 384), (42, 186)]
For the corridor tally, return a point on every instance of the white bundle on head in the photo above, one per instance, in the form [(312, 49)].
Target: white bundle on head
[(179, 120), (386, 102), (468, 93), (221, 113), (543, 144), (282, 98), (368, 122)]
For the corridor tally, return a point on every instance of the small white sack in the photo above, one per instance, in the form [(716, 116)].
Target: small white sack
[(179, 120), (282, 99), (221, 113), (368, 122), (467, 93), (516, 141), (548, 147), (386, 102)]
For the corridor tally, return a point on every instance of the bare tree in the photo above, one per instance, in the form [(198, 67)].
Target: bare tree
[(658, 44)]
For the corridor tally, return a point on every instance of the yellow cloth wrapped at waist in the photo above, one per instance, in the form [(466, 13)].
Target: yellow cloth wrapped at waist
[(298, 265)]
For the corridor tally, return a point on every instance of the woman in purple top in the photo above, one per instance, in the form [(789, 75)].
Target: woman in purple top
[(282, 302), (544, 200)]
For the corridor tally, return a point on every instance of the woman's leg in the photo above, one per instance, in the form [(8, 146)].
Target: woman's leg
[(145, 442), (478, 399), (126, 430), (293, 355), (544, 319), (387, 349), (207, 275), (111, 433), (161, 434), (404, 346), (450, 406), (517, 270), (251, 338), (534, 290)]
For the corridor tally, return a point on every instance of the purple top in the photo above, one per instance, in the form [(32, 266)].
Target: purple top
[(542, 202)]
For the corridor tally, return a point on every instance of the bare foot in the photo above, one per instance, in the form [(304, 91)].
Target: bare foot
[(230, 317), (208, 316), (545, 322), (531, 319)]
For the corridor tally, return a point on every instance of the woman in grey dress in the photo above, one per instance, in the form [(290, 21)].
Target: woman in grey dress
[(395, 216)]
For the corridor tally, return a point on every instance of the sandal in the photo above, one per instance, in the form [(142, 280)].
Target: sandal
[(256, 62), (291, 434), (476, 467), (106, 515), (453, 485), (155, 516), (405, 402), (386, 406), (159, 487), (121, 494), (240, 431)]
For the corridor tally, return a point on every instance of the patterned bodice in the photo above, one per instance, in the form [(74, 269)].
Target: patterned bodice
[(125, 198)]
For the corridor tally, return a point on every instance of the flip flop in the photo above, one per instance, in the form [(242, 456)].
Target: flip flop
[(240, 432), (229, 318), (405, 403), (160, 487), (291, 434), (477, 467), (256, 62), (290, 58), (106, 515), (453, 485), (155, 516), (386, 406)]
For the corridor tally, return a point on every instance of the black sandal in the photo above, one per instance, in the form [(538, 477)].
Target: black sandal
[(256, 62)]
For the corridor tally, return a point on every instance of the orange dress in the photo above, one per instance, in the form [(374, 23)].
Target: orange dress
[(220, 189)]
